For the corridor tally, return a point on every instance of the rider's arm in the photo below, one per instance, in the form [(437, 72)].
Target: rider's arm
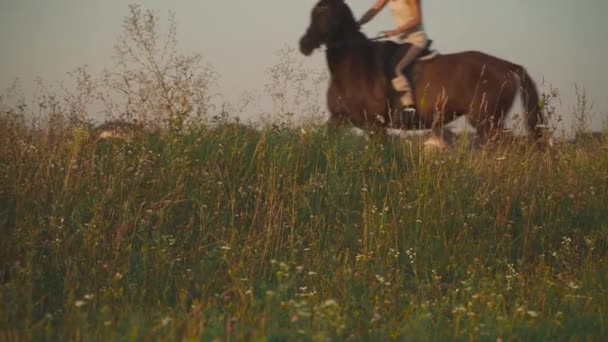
[(371, 13), (416, 20)]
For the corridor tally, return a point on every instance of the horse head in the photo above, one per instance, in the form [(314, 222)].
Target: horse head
[(330, 20)]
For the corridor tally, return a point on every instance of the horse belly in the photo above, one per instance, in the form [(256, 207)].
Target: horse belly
[(442, 88)]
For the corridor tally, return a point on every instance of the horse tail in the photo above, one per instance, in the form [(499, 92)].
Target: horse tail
[(530, 99)]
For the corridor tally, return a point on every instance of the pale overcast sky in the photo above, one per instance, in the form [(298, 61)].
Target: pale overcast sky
[(561, 41)]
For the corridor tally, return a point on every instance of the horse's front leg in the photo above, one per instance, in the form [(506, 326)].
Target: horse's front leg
[(338, 111), (336, 120)]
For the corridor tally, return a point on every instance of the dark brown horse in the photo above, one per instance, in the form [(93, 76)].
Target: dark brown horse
[(445, 87)]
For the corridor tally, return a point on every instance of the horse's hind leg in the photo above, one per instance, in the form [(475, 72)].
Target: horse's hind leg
[(486, 128), (489, 121), (493, 109), (336, 120)]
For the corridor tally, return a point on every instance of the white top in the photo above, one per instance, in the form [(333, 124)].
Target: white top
[(402, 12), (403, 15)]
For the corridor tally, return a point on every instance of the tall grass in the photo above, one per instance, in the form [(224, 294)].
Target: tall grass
[(205, 228), (232, 232)]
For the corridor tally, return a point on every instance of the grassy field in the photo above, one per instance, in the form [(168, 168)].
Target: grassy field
[(285, 234)]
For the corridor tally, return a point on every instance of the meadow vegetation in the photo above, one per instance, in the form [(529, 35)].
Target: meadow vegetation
[(199, 226)]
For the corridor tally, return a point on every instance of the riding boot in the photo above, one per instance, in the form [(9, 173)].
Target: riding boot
[(409, 117)]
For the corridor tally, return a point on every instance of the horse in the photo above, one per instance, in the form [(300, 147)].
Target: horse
[(445, 87)]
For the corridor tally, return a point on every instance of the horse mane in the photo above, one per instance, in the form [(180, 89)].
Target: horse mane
[(350, 27)]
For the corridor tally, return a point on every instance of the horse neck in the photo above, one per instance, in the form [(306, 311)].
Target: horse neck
[(344, 48)]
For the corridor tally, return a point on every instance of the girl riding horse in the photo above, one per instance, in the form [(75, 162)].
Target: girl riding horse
[(410, 36)]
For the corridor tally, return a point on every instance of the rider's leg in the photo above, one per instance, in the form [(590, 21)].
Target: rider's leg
[(417, 42), (400, 82)]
